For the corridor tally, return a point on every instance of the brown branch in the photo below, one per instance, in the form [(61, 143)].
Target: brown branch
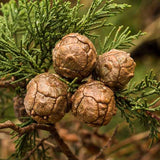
[(128, 141), (9, 124), (38, 140), (62, 145), (6, 83), (153, 116), (56, 148), (9, 83), (5, 132), (108, 144), (152, 152), (64, 148), (33, 126)]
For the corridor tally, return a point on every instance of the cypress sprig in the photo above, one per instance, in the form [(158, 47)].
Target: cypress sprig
[(24, 142), (98, 13), (118, 39), (29, 31), (134, 102)]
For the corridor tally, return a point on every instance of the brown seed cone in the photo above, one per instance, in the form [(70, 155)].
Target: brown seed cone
[(46, 100), (19, 108), (115, 68), (94, 104), (74, 56)]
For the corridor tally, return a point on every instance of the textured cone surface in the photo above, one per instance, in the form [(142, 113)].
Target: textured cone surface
[(74, 56), (19, 108), (115, 68), (94, 104), (46, 99)]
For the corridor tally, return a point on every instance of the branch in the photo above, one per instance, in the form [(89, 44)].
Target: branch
[(108, 144), (63, 147), (128, 141), (153, 116), (9, 83), (38, 140), (5, 83), (21, 131), (152, 152), (55, 148)]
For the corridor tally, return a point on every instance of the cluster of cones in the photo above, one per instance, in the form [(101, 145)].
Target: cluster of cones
[(48, 98)]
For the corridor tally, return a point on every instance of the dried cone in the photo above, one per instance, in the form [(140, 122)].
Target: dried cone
[(74, 56), (19, 108), (46, 99), (94, 104), (115, 68)]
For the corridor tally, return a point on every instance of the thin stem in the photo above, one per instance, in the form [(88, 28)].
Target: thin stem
[(153, 116), (131, 140), (62, 145), (5, 84), (108, 144)]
